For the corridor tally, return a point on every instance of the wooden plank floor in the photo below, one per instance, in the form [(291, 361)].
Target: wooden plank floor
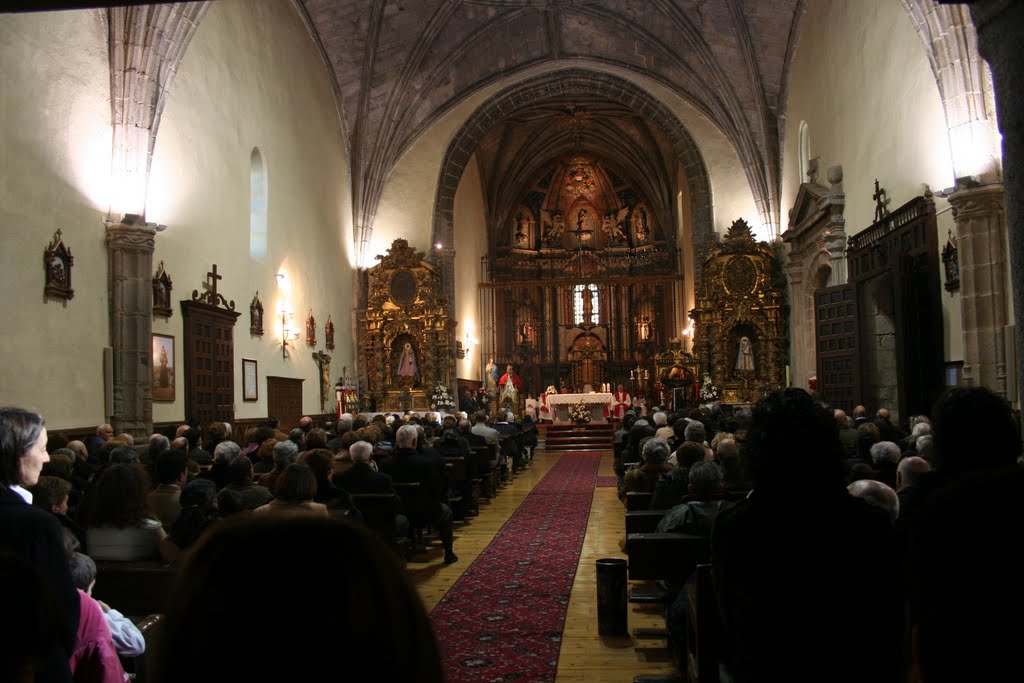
[(585, 656)]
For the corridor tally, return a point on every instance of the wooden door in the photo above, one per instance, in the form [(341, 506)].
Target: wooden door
[(209, 363), (284, 401), (837, 341)]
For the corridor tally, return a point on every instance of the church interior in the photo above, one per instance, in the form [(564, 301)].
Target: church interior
[(267, 210)]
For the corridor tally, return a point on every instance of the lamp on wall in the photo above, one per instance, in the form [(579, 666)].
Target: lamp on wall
[(289, 333)]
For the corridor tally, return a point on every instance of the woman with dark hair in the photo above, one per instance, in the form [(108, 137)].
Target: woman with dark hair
[(44, 605), (296, 488), (787, 556), (317, 438), (119, 525), (339, 503), (198, 512), (376, 628)]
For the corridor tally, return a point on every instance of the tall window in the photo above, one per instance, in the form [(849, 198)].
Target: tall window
[(585, 304), (257, 206)]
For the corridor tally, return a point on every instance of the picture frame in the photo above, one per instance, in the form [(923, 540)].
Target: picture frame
[(164, 364), (250, 380)]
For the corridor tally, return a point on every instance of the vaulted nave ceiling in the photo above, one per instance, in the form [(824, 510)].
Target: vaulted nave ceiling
[(400, 65)]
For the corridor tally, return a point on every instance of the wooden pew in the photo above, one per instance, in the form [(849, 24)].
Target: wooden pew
[(144, 666), (378, 510), (414, 505), (703, 628), (458, 483), (643, 521), (135, 589), (665, 556), (484, 458), (638, 500)]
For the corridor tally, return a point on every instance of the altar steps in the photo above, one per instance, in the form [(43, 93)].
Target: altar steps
[(588, 437)]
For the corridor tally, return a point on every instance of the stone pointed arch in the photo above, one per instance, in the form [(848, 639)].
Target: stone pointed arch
[(565, 83)]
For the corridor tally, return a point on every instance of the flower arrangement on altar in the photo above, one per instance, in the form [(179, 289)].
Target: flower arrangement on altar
[(708, 391), (441, 399), (579, 412)]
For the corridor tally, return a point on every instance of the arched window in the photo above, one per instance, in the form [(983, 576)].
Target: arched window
[(805, 151), (586, 307), (257, 206)]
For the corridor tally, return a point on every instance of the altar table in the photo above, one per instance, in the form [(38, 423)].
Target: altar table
[(596, 403)]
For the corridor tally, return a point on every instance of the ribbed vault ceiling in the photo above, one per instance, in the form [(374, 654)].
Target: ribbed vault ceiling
[(399, 65)]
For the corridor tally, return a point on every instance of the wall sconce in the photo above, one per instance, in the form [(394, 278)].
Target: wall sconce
[(288, 332)]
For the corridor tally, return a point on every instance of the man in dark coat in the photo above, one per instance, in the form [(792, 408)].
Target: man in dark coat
[(407, 464)]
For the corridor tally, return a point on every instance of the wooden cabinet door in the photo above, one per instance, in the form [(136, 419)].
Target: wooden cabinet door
[(837, 340), (209, 363)]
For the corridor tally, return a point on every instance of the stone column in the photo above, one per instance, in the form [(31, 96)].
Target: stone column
[(1000, 26), (981, 246), (835, 228), (130, 246)]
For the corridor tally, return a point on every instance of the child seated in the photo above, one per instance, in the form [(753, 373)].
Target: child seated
[(128, 640)]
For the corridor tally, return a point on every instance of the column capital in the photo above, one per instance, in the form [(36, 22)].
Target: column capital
[(131, 237)]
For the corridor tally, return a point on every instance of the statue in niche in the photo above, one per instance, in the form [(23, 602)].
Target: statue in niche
[(588, 306), (745, 356), (612, 227), (522, 229), (553, 233), (407, 367), (644, 328), (640, 227)]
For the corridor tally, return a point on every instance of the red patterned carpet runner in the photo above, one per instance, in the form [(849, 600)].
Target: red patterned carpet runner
[(607, 482), (502, 620)]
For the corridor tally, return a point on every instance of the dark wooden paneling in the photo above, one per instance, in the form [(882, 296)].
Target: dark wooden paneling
[(837, 339), (284, 401)]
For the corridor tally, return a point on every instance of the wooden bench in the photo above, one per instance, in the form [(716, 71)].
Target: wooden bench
[(643, 521), (703, 628), (135, 589), (484, 464), (378, 510), (459, 482), (414, 504), (638, 500), (144, 666)]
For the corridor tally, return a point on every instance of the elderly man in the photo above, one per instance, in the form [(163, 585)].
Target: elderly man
[(94, 442), (406, 464), (285, 453), (696, 516), (848, 435), (240, 474), (885, 455), (223, 454), (645, 478), (480, 428), (908, 472)]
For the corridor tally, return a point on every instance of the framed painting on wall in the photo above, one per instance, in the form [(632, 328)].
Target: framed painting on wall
[(163, 367), (250, 387)]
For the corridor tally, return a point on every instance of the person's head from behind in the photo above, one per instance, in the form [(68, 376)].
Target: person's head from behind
[(655, 451), (705, 479), (792, 444), (240, 470), (695, 432), (51, 494), (297, 484), (171, 468), (376, 628), (406, 436), (885, 453), (285, 453), (119, 497), (361, 452), (225, 451), (62, 464), (689, 454), (910, 470), (316, 438), (83, 572), (959, 416), (22, 447), (877, 494)]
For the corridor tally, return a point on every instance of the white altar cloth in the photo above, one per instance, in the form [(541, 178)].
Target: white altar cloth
[(560, 403)]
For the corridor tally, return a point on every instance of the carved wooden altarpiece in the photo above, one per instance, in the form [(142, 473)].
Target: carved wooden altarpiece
[(405, 305), (740, 317)]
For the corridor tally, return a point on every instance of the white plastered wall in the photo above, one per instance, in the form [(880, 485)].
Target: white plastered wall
[(861, 81), (55, 153), (469, 219), (252, 78)]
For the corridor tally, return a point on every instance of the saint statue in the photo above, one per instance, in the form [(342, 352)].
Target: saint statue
[(745, 356), (407, 363), (165, 375), (491, 375), (588, 305), (645, 328)]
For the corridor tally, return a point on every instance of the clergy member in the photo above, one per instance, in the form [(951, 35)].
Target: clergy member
[(621, 402)]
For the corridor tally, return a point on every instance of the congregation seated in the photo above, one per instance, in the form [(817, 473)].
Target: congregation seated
[(885, 456), (198, 512), (908, 472), (645, 478), (296, 489), (786, 558), (425, 467), (878, 494), (338, 501), (99, 651), (251, 494), (285, 453), (362, 620), (171, 474), (119, 525), (696, 515), (223, 454), (673, 486)]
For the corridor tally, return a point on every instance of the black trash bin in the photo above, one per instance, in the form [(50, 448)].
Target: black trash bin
[(612, 602)]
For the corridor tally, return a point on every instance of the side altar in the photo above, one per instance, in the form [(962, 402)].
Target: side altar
[(596, 403)]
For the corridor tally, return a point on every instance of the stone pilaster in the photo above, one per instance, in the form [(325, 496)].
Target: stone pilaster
[(1000, 26), (835, 227), (130, 282), (981, 244)]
